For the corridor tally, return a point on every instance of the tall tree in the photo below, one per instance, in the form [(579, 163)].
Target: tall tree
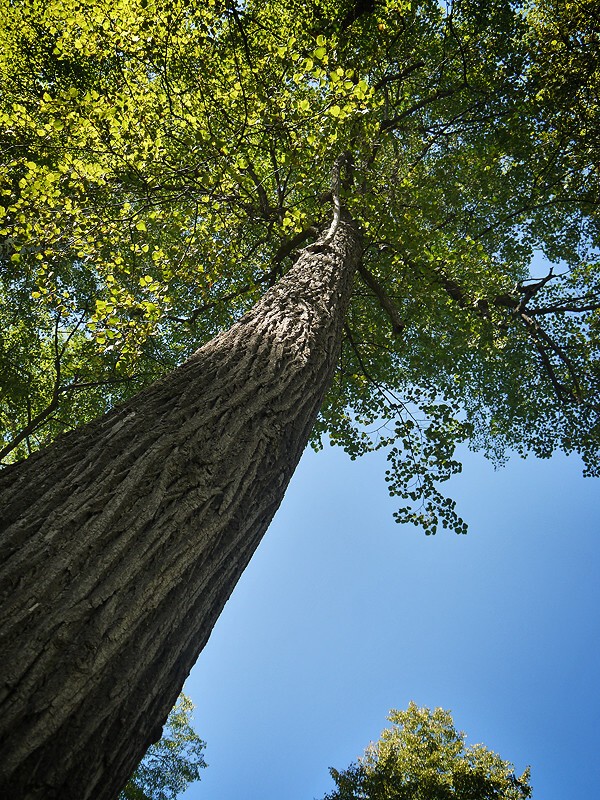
[(139, 525), (330, 212), (423, 757)]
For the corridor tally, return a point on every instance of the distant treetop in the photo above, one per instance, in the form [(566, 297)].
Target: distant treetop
[(423, 757)]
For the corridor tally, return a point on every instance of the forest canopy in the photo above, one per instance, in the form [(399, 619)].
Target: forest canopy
[(162, 163)]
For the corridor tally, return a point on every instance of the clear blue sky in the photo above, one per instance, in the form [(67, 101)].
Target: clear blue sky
[(342, 615)]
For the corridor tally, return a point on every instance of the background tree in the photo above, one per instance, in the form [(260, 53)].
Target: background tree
[(423, 757), (172, 763), (166, 168)]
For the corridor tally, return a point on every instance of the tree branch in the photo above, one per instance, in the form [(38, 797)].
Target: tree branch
[(342, 160), (542, 340), (390, 124), (564, 393), (31, 426), (35, 423), (560, 308), (398, 325), (397, 77)]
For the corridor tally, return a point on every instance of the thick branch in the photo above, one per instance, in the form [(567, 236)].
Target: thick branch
[(385, 301), (541, 338), (529, 290), (539, 335), (342, 160)]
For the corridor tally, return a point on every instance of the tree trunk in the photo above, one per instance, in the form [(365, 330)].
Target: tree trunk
[(123, 540)]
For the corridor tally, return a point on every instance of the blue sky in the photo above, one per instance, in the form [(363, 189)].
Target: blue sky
[(343, 614)]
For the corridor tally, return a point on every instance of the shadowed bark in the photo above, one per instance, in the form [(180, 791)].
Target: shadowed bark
[(121, 543)]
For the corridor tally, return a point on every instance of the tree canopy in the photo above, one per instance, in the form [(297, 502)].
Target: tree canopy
[(162, 162), (423, 757)]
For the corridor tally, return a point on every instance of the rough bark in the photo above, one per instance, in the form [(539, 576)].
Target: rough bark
[(121, 543)]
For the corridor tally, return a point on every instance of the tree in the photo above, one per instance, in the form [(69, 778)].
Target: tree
[(423, 757), (330, 213), (170, 764)]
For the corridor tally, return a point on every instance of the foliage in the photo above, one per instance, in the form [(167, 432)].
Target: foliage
[(162, 162), (423, 757), (172, 763), (566, 74)]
